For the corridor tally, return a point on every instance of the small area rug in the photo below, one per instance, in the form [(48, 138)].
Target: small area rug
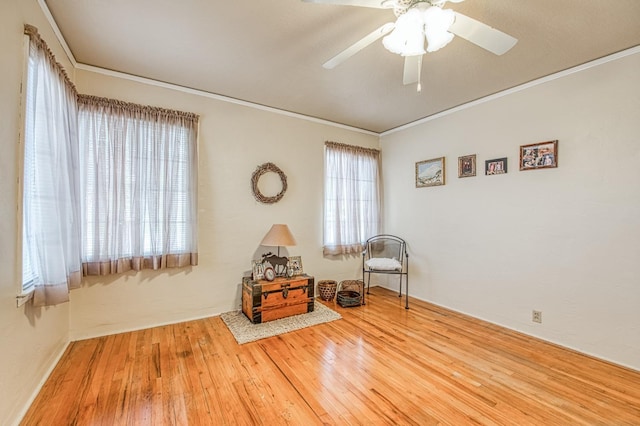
[(245, 331)]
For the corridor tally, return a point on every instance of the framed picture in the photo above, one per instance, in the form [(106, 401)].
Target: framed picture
[(257, 269), (497, 166), (467, 166), (430, 172), (541, 155), (295, 265)]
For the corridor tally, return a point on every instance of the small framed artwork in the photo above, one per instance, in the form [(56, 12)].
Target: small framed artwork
[(257, 269), (541, 155), (467, 166), (497, 166), (295, 266), (430, 172)]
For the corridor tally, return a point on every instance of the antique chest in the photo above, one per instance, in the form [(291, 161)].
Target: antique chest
[(264, 300)]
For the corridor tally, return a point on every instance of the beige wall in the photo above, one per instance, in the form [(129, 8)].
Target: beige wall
[(31, 339), (563, 241), (234, 140)]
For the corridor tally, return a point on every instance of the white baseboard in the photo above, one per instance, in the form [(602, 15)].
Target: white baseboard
[(92, 334), (552, 342)]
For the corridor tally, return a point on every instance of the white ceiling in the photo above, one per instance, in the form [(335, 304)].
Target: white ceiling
[(271, 52)]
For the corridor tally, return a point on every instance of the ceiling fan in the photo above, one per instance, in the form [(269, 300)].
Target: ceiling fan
[(417, 21)]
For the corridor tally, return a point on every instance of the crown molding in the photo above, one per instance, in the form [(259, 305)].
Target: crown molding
[(561, 74)]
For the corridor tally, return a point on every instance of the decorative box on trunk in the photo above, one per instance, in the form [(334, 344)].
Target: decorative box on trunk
[(264, 300)]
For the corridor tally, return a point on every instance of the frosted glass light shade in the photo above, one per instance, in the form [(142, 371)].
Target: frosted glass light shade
[(437, 23), (407, 38), (278, 235), (418, 23)]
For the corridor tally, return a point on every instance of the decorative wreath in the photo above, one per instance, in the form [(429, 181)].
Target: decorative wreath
[(260, 170)]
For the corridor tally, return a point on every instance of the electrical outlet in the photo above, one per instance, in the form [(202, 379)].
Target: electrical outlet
[(536, 316)]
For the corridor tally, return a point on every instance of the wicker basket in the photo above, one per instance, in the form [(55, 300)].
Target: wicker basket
[(347, 299), (327, 289), (350, 293), (353, 285)]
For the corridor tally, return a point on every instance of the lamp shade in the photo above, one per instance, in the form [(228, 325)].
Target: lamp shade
[(278, 235)]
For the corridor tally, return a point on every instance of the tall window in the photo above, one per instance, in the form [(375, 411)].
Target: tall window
[(108, 186), (139, 186), (351, 197), (50, 208)]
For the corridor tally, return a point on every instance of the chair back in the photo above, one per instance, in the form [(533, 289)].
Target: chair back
[(386, 246)]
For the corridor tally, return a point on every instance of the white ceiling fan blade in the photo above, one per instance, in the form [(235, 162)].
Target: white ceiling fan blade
[(377, 4), (359, 45), (412, 66), (483, 35)]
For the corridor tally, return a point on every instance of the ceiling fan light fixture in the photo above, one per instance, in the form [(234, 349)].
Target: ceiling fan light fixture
[(437, 22), (418, 23), (407, 38)]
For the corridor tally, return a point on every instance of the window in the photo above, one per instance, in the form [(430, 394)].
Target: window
[(139, 186), (50, 186), (351, 197), (107, 186)]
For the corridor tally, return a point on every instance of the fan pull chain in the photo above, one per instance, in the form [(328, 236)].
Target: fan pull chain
[(419, 86)]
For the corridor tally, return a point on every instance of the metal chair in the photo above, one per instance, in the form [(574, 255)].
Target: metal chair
[(386, 254)]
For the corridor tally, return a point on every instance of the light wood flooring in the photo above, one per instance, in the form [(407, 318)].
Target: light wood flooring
[(380, 364)]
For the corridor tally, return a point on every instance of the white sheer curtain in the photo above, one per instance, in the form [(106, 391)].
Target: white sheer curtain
[(351, 197), (51, 205), (139, 186)]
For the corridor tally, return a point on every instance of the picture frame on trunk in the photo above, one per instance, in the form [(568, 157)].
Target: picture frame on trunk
[(295, 266), (257, 270)]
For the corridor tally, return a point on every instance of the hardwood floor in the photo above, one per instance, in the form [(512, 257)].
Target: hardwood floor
[(380, 364)]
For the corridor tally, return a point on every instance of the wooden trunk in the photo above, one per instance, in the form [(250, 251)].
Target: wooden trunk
[(264, 300)]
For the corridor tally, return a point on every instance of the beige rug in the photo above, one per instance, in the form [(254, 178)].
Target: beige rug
[(244, 331)]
